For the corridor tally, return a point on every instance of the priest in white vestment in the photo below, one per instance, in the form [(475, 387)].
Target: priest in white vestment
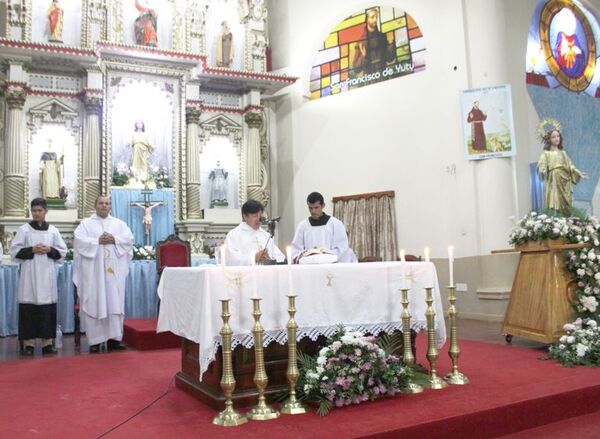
[(320, 230), (37, 247), (248, 240), (103, 247)]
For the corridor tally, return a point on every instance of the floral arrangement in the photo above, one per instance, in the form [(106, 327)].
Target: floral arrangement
[(160, 176), (145, 252), (350, 369), (581, 344)]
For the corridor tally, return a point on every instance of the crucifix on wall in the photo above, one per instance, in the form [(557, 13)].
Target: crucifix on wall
[(147, 205)]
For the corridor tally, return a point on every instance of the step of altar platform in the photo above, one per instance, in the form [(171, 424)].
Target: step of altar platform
[(141, 334)]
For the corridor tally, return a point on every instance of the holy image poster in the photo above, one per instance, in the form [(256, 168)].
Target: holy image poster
[(487, 122)]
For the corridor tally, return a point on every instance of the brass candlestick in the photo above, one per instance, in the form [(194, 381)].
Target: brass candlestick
[(409, 358), (435, 382), (228, 417), (454, 377), (292, 406), (261, 411)]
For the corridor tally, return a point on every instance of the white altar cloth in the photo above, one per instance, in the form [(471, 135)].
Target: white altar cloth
[(365, 297)]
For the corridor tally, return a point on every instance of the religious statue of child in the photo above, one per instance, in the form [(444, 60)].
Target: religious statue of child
[(146, 25), (55, 22), (556, 168), (224, 46), (141, 151), (218, 189), (50, 174)]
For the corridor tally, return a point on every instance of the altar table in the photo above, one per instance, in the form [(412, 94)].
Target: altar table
[(363, 296)]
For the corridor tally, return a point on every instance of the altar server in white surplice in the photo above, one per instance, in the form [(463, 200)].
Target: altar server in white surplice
[(37, 247), (103, 247), (320, 230), (249, 239)]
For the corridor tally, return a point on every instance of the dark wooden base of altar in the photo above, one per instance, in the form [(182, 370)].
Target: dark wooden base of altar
[(542, 293), (209, 389)]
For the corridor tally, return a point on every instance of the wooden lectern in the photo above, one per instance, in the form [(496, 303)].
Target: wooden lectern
[(541, 299)]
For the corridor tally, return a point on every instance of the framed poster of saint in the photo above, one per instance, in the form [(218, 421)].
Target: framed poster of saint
[(487, 122)]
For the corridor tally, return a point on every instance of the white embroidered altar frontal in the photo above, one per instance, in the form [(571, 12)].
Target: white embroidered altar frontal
[(365, 297)]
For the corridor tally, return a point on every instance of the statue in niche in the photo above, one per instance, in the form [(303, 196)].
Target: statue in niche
[(55, 22), (218, 188), (224, 46), (141, 151), (146, 25), (50, 174)]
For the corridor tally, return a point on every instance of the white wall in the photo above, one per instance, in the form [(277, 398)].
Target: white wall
[(405, 134)]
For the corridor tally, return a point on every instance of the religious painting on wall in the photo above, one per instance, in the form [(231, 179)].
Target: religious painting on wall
[(562, 48), (487, 122), (370, 46), (142, 115)]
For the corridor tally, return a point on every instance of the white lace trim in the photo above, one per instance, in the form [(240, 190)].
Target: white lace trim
[(280, 336)]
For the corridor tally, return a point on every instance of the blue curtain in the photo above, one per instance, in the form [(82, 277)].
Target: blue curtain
[(140, 294), (163, 217), (537, 189)]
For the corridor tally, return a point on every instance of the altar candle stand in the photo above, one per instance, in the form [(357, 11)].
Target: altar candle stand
[(292, 406), (435, 382), (228, 417), (454, 377), (261, 411), (408, 357)]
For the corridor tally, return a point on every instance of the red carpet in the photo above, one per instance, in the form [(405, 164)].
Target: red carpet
[(141, 335), (85, 396)]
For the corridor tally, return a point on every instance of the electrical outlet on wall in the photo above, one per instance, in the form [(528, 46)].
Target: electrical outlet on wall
[(461, 287)]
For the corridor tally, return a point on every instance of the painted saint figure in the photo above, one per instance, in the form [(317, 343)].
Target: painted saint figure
[(146, 25), (141, 150), (375, 49), (224, 46), (218, 190), (559, 173), (55, 22), (476, 118), (50, 174)]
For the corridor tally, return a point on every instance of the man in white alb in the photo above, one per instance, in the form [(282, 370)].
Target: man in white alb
[(249, 240), (320, 230), (103, 247)]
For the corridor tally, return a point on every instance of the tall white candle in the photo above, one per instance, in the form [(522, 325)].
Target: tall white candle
[(288, 252), (222, 250), (426, 251), (451, 264), (253, 274), (403, 268)]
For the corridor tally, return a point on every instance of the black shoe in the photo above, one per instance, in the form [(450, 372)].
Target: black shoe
[(115, 345), (95, 349), (27, 351), (49, 350)]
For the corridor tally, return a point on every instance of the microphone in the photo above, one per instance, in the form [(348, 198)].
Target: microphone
[(265, 220)]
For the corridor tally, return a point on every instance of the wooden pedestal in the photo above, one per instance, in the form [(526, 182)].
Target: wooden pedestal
[(209, 389), (542, 293)]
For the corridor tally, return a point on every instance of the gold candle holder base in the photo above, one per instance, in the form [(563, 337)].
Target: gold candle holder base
[(454, 377), (261, 411), (407, 356), (434, 382), (292, 406), (228, 417)]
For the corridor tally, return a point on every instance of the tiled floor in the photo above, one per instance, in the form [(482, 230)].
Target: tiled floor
[(489, 332)]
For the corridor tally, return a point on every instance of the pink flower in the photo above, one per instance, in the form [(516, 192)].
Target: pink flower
[(367, 366)]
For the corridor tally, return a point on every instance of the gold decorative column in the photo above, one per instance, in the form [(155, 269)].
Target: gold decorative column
[(292, 406), (91, 150), (435, 382), (408, 357), (192, 116), (261, 411), (14, 156), (454, 377), (228, 417)]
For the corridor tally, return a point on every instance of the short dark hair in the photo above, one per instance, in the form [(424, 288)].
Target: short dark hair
[(315, 197), (252, 206), (101, 196), (39, 202)]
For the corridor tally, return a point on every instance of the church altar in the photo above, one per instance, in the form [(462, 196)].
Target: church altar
[(362, 296), (140, 294)]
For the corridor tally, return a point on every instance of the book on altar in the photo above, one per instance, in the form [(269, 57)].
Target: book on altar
[(317, 255)]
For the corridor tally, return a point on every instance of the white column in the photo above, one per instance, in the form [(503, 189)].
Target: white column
[(192, 115), (91, 153), (253, 158), (14, 187)]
